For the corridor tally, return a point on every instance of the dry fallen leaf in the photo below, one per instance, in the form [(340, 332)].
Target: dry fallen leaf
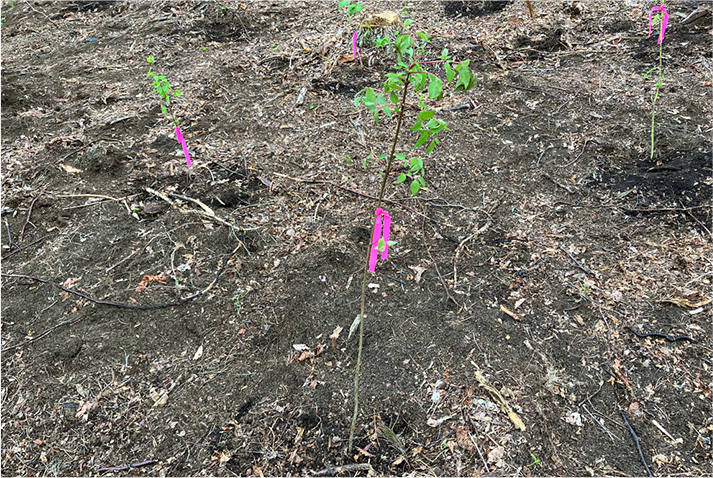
[(335, 336), (83, 411), (463, 438), (495, 456), (419, 271), (685, 303), (381, 20), (70, 169)]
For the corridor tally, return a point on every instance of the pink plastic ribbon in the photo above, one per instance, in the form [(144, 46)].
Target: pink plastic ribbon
[(380, 213), (355, 48), (664, 22), (182, 141)]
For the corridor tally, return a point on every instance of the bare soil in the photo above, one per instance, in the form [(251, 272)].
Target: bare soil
[(541, 199)]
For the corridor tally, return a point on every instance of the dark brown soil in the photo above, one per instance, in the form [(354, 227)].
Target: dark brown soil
[(541, 199)]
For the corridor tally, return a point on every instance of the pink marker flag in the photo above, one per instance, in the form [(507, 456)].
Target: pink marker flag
[(664, 21), (355, 48), (179, 136), (382, 218)]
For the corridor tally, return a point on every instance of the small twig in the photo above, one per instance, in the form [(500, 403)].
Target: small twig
[(638, 444), (207, 212), (126, 467), (663, 209), (578, 156), (485, 463), (29, 213), (20, 249), (43, 13), (43, 334), (695, 218), (557, 183), (594, 419), (460, 248), (9, 239), (116, 304), (335, 470), (534, 90), (353, 191), (576, 261), (440, 277), (589, 397)]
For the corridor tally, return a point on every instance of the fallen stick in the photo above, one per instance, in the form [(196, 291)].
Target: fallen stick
[(29, 213), (126, 467), (116, 304), (577, 262), (638, 444), (335, 470)]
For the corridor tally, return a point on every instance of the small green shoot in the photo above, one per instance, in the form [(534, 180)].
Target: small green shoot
[(163, 88), (535, 461), (351, 8)]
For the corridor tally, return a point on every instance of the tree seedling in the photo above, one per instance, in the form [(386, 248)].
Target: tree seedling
[(351, 8), (655, 20), (428, 89), (162, 87)]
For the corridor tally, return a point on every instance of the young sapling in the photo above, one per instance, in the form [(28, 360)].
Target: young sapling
[(663, 20), (428, 89)]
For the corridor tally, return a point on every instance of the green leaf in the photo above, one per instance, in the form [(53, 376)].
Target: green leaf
[(444, 54), (400, 156), (422, 139), (150, 59), (416, 164), (424, 37), (343, 4), (435, 88), (407, 22), (177, 93), (419, 80), (430, 147), (376, 116), (463, 78), (421, 181), (370, 95), (387, 111), (394, 98), (450, 72), (426, 115), (402, 178), (415, 187), (380, 100), (163, 109), (381, 245)]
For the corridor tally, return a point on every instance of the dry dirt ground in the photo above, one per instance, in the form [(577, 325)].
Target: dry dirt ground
[(541, 199)]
